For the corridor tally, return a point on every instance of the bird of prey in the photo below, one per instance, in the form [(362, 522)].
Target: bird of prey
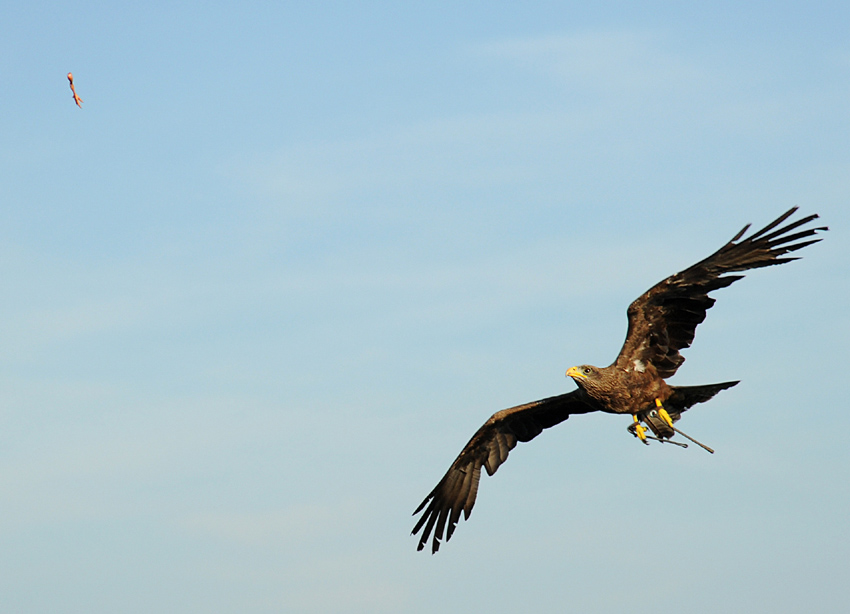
[(77, 99), (662, 321)]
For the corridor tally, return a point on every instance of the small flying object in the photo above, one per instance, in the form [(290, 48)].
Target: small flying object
[(77, 99), (662, 321)]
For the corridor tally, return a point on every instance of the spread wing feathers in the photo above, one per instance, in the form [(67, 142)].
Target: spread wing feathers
[(664, 319), (488, 448)]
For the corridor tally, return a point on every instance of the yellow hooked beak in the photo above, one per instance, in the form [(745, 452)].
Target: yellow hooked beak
[(575, 373)]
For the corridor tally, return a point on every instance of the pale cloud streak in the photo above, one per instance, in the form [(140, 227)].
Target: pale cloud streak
[(619, 63), (622, 98)]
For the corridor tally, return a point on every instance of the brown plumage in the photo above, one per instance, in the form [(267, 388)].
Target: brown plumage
[(662, 321)]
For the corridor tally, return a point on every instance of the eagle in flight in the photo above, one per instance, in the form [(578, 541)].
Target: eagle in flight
[(662, 321)]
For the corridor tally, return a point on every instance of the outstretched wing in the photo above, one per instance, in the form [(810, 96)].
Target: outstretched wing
[(489, 448), (664, 319)]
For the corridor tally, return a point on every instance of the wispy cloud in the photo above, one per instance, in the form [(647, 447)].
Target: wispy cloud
[(462, 152), (621, 99), (273, 528), (626, 63)]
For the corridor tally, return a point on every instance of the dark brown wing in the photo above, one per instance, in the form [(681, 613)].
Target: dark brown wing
[(664, 319), (489, 448)]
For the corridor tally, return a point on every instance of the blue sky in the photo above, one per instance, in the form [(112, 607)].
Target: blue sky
[(260, 290)]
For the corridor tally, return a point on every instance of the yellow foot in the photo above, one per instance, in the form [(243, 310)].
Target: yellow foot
[(663, 413), (640, 430)]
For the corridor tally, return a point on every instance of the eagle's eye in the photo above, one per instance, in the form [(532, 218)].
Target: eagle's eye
[(586, 370)]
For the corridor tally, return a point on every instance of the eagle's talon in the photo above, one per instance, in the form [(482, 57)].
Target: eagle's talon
[(638, 430)]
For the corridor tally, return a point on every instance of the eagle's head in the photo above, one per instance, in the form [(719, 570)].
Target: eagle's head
[(584, 374)]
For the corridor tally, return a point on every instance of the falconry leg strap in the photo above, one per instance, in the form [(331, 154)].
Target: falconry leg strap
[(666, 417), (633, 429), (639, 431)]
